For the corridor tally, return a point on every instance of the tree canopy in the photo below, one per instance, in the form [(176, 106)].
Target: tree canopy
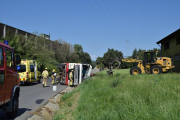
[(36, 47)]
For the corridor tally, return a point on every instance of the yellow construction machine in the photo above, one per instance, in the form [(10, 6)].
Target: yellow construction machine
[(151, 64)]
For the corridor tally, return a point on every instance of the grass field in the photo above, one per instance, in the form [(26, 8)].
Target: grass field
[(126, 97), (119, 71)]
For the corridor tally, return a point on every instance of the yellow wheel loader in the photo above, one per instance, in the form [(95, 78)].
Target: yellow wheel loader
[(151, 64)]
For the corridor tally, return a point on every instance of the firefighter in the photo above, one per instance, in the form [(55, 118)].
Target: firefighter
[(45, 76), (71, 78), (55, 74), (52, 76), (61, 74)]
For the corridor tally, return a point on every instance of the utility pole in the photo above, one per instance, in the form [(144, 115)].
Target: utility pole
[(127, 47)]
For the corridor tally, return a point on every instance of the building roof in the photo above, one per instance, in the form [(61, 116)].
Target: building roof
[(169, 36)]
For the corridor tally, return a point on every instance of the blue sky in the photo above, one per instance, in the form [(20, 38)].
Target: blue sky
[(96, 24)]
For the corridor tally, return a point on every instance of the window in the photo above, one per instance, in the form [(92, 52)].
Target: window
[(1, 57), (177, 58), (166, 46), (10, 59), (32, 68), (178, 40), (38, 68), (21, 68)]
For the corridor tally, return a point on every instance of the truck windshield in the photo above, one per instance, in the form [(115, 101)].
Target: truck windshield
[(21, 68)]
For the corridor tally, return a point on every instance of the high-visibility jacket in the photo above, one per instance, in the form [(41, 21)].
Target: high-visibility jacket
[(70, 75), (45, 73)]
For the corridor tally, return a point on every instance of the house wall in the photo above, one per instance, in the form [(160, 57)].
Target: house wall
[(173, 51)]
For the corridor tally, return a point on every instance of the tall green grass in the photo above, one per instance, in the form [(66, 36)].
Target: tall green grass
[(126, 97)]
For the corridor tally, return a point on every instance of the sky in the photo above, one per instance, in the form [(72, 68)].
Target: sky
[(96, 25)]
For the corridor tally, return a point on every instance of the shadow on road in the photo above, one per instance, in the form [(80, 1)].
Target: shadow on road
[(20, 112), (39, 101), (34, 83)]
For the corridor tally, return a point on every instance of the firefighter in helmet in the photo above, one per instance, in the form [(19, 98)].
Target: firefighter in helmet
[(53, 75), (71, 78), (45, 76)]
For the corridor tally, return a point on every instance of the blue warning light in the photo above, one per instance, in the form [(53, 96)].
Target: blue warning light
[(6, 42)]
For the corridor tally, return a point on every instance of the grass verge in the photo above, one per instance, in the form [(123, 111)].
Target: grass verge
[(127, 97)]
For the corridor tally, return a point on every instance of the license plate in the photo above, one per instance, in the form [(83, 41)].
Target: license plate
[(21, 76)]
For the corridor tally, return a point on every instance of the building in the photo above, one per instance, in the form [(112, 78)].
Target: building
[(170, 47), (6, 30)]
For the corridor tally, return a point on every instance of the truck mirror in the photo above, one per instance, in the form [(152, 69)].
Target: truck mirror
[(18, 59)]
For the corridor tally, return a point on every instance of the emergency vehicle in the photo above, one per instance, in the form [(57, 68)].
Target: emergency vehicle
[(9, 81), (80, 72), (28, 72)]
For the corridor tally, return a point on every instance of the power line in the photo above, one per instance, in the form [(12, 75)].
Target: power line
[(113, 18), (101, 17), (106, 16)]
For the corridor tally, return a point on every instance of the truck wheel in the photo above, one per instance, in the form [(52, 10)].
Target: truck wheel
[(15, 106), (135, 70), (156, 69)]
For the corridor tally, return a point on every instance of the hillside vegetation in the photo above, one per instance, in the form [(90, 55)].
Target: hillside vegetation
[(36, 47), (126, 97)]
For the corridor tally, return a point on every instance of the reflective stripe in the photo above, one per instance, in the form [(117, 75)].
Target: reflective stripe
[(45, 73), (7, 100)]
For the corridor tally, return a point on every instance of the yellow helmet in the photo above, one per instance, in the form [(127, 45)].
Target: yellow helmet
[(54, 70), (72, 70), (45, 68)]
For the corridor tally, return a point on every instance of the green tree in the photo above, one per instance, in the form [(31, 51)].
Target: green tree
[(110, 55), (85, 58), (78, 49), (134, 53), (99, 60)]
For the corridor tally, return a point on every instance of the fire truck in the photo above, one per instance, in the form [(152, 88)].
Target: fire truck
[(9, 80), (80, 72)]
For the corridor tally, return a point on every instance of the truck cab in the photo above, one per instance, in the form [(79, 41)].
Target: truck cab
[(81, 71), (9, 81)]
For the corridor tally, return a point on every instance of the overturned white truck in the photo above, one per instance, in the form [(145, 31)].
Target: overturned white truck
[(80, 72)]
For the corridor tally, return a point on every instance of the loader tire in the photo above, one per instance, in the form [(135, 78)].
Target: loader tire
[(156, 69), (135, 70)]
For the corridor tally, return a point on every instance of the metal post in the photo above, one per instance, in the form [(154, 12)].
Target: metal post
[(51, 45), (127, 47), (26, 39), (44, 41), (4, 32), (16, 32), (35, 43)]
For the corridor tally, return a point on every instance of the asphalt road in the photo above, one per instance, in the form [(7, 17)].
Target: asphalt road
[(31, 97), (94, 71)]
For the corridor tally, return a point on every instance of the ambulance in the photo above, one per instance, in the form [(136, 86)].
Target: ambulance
[(28, 72), (80, 72)]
